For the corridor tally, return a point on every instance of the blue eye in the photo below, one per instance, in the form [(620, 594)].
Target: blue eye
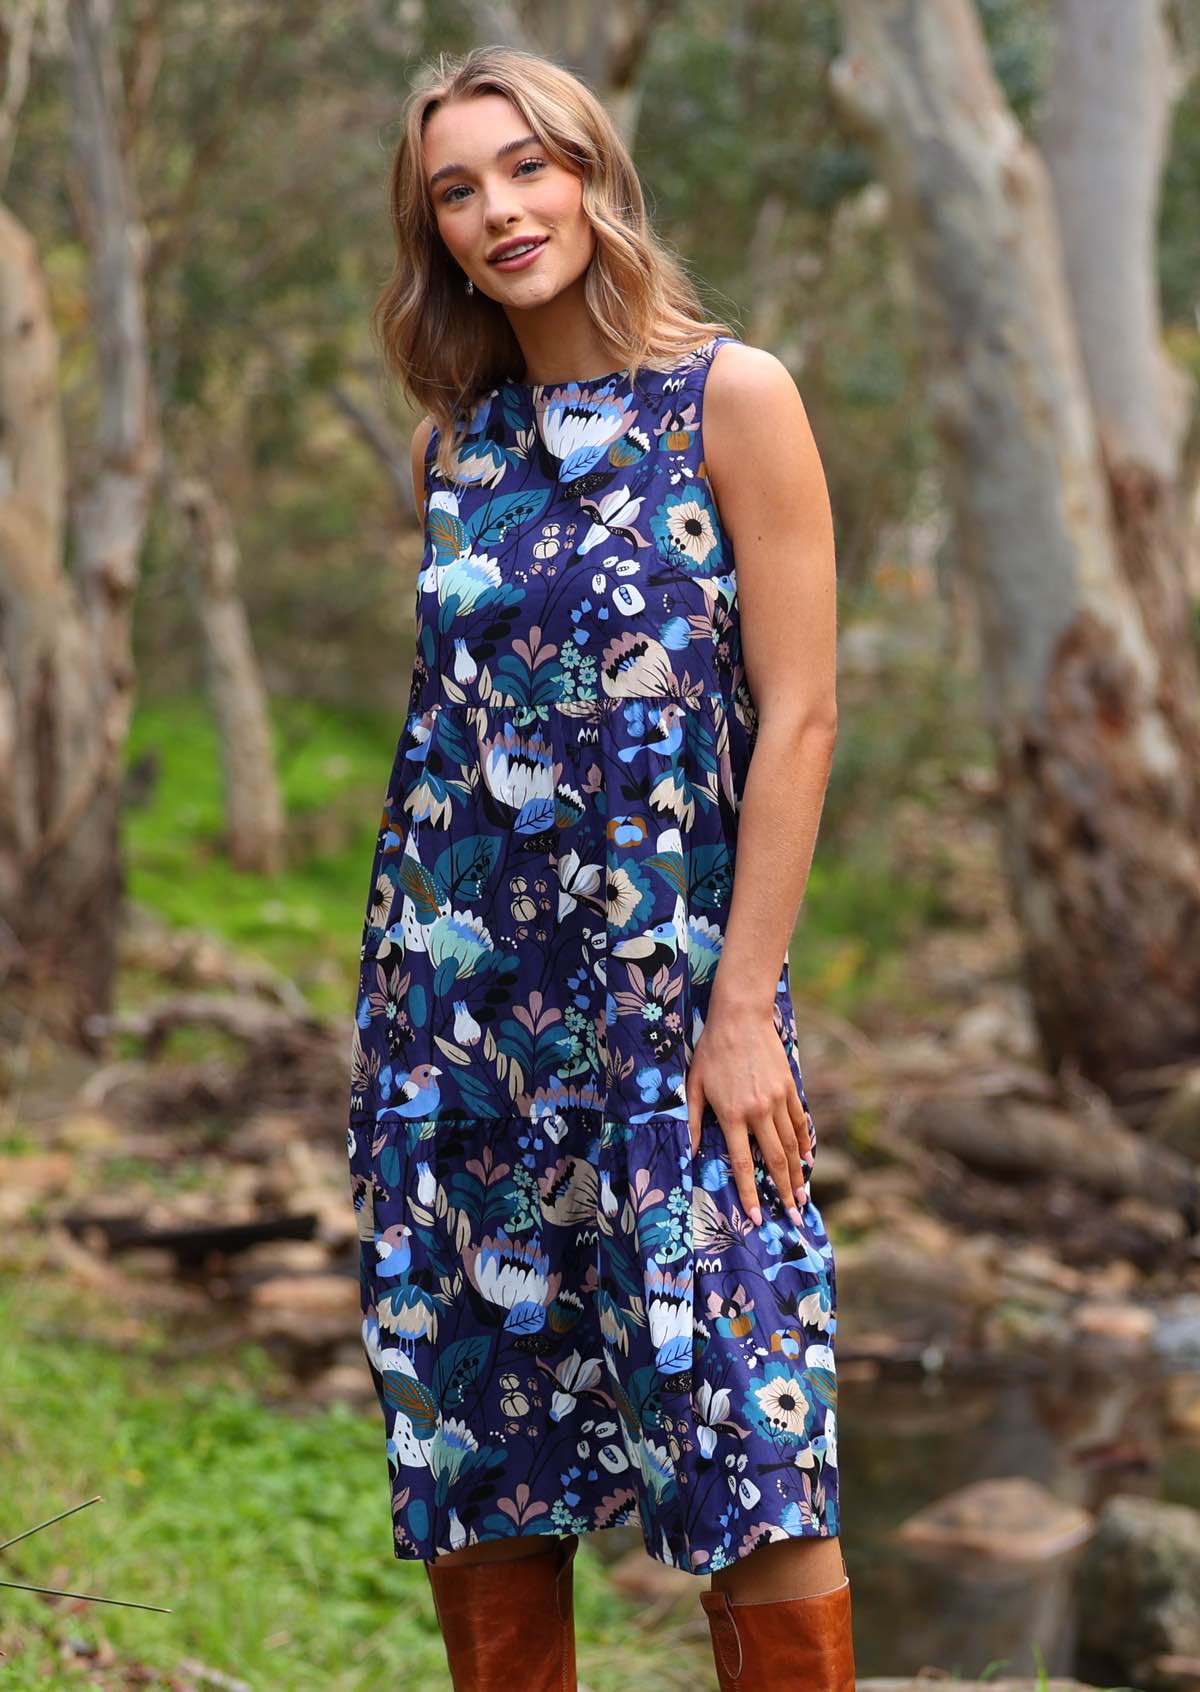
[(448, 199)]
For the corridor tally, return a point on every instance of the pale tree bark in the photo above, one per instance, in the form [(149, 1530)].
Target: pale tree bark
[(66, 672), (1090, 692), (254, 810), (1104, 139)]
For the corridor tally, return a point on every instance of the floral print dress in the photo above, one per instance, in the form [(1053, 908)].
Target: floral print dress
[(570, 1321)]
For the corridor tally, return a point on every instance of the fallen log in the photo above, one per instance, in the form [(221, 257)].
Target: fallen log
[(1024, 1140), (191, 1246)]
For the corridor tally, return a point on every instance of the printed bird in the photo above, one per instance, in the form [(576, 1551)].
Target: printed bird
[(393, 1251), (660, 731), (656, 946), (650, 950), (416, 1092)]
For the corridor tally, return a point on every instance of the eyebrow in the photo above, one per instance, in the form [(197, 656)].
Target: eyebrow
[(464, 170)]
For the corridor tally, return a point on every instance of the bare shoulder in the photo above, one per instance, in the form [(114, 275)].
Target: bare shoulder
[(749, 386), (754, 417), (420, 441)]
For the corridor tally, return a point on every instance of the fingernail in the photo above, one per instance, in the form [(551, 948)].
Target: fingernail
[(802, 1196), (756, 1216), (795, 1216)]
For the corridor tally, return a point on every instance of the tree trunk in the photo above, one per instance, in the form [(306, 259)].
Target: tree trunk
[(1090, 679), (66, 671), (253, 806)]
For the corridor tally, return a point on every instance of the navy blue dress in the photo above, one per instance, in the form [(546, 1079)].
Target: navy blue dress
[(571, 1322)]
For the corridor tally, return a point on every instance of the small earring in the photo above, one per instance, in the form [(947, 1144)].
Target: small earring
[(470, 286)]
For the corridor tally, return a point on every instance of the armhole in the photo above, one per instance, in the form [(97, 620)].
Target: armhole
[(709, 354)]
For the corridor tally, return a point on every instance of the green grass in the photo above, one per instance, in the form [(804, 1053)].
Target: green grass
[(266, 1534), (306, 920)]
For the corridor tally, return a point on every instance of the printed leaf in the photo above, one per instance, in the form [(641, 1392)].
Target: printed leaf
[(457, 1366), (406, 1393), (493, 522)]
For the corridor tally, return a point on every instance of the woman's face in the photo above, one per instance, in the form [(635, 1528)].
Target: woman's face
[(500, 184)]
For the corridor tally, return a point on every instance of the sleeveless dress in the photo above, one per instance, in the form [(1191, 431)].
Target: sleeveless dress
[(570, 1321)]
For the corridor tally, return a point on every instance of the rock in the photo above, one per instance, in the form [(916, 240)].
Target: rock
[(298, 1257), (309, 1310), (1138, 1588), (996, 1025), (1005, 1519), (1128, 1326), (1018, 1138), (834, 1173), (918, 1283)]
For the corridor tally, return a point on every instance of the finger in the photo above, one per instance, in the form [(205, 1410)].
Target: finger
[(742, 1164), (799, 1116), (786, 1130), (776, 1159)]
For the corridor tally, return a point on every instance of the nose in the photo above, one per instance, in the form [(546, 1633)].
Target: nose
[(500, 204)]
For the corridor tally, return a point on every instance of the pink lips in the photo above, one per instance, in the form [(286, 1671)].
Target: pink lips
[(522, 259)]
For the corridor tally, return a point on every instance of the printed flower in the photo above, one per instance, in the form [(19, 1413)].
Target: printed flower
[(627, 894), (379, 905), (635, 664), (465, 579), (762, 1533), (450, 1447), (704, 947), (513, 1275), (731, 1314), (655, 1463), (574, 1375), (461, 937), (815, 1308), (712, 1407), (577, 880), (779, 1403), (579, 424), (669, 1314), (519, 768), (686, 531), (614, 513)]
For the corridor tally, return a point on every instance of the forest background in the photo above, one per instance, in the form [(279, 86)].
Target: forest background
[(972, 232)]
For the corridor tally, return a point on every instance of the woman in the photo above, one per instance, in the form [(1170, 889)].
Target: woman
[(596, 1287)]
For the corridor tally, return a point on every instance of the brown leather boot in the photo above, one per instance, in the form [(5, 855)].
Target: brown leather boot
[(509, 1622), (801, 1644)]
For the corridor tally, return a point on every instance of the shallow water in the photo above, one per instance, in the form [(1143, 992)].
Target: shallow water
[(903, 1443)]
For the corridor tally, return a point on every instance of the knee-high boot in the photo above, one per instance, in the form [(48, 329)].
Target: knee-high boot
[(801, 1644), (509, 1622)]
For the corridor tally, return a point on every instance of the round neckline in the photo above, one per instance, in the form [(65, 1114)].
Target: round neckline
[(577, 382), (570, 381)]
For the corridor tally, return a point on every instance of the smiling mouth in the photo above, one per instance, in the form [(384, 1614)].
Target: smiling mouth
[(519, 252)]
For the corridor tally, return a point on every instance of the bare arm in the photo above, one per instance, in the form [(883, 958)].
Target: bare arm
[(766, 477), (420, 441)]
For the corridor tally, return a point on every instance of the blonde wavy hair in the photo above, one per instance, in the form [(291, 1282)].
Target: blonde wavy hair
[(447, 348)]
